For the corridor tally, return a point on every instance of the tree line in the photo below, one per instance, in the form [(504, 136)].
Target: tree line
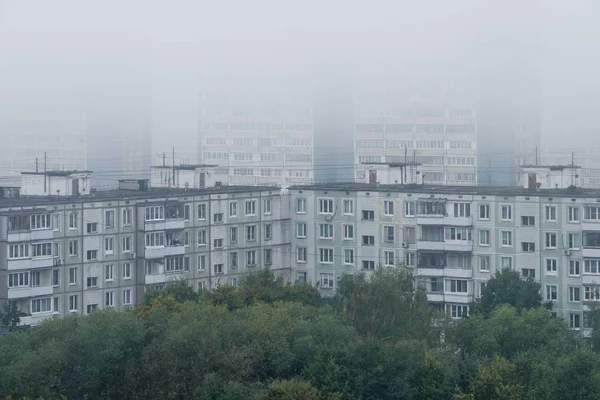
[(376, 338)]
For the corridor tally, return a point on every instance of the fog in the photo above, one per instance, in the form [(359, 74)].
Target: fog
[(135, 67)]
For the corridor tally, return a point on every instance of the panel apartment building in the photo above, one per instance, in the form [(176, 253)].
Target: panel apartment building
[(65, 249), (455, 237)]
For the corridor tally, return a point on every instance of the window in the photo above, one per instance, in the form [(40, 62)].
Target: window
[(326, 280), (574, 294), (73, 248), (528, 273), (218, 218), (250, 207), (155, 239), (218, 268), (251, 233), (41, 305), (591, 213), (35, 278), (109, 245), (505, 262), (73, 303), (484, 237), (16, 251), (325, 231), (591, 239), (388, 234), (484, 263), (268, 257), (368, 215), (92, 227), (72, 276), (462, 209), (551, 265), (109, 299), (251, 258), (267, 206), (109, 219), (457, 311), (573, 214), (91, 255), (591, 266), (388, 258), (202, 237), (409, 209), (506, 213), (550, 213), (202, 211), (127, 297), (108, 272), (410, 259), (268, 231), (452, 233), (528, 246), (575, 321), (368, 265), (126, 244), (484, 211), (155, 213), (126, 271), (368, 240), (55, 277), (201, 263), (591, 293), (73, 221), (218, 243), (527, 221), (348, 231), (92, 281), (301, 230), (301, 254), (388, 207), (456, 285), (41, 249), (56, 305), (173, 264), (550, 240), (325, 206), (127, 216), (348, 256), (186, 212), (348, 207), (551, 292), (19, 279), (41, 221), (233, 209), (233, 234), (574, 268), (326, 256), (300, 206), (506, 238), (574, 241)]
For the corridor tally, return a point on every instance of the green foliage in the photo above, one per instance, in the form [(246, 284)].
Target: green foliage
[(10, 318), (271, 340), (387, 306), (507, 286)]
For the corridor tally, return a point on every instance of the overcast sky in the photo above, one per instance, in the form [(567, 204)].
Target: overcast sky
[(66, 52)]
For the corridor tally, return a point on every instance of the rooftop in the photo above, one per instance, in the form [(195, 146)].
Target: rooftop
[(58, 173), (186, 166), (556, 167), (124, 194), (451, 190), (393, 164)]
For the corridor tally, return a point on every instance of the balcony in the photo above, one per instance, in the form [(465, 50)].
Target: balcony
[(455, 272), (30, 263), (29, 235), (165, 224), (458, 245), (430, 244), (590, 252), (25, 292), (156, 279), (587, 279), (164, 251), (436, 219)]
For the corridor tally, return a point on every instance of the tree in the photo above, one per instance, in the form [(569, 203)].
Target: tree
[(496, 379), (292, 389), (386, 306), (508, 287), (10, 319)]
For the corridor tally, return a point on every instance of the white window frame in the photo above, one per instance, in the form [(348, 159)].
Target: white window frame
[(509, 237), (550, 213), (486, 212), (250, 208), (326, 205), (348, 207), (349, 256), (326, 255), (388, 208), (301, 205), (549, 242), (508, 209), (551, 266)]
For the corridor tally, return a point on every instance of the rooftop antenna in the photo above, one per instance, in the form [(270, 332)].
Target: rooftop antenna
[(173, 165), (36, 165), (45, 164), (536, 156)]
